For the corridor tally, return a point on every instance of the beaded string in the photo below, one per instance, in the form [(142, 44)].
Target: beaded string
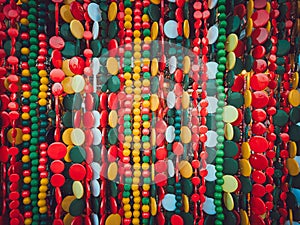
[(25, 116), (145, 111), (220, 124)]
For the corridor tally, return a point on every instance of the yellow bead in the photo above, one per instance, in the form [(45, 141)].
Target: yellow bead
[(127, 214), (43, 188), (135, 221), (135, 153), (136, 159), (134, 187), (128, 11), (137, 118), (41, 203), (146, 124), (42, 195), (26, 200), (146, 187), (145, 166), (44, 88), (43, 73), (137, 48), (26, 137), (145, 208), (137, 83), (136, 71), (146, 145), (136, 111), (136, 206), (126, 145), (43, 209), (127, 25), (44, 181), (44, 80), (125, 200), (25, 73), (25, 51), (137, 41), (146, 104), (137, 98), (146, 83), (127, 76), (128, 90), (43, 102), (136, 139), (145, 18), (137, 173), (24, 21), (136, 104), (136, 214), (127, 207), (27, 180), (25, 159), (128, 18), (137, 55), (136, 180), (128, 138), (28, 221), (137, 146), (146, 61), (42, 95), (26, 94), (136, 166), (136, 33), (137, 62), (136, 125), (147, 40), (128, 83)]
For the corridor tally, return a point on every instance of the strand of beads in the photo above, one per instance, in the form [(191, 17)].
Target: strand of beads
[(145, 119), (42, 102), (25, 116), (127, 114), (219, 112), (57, 150)]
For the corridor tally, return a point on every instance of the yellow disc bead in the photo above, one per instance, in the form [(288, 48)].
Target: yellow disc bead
[(127, 214), (146, 145), (26, 137), (24, 21), (136, 33), (128, 18), (43, 73), (25, 116), (42, 195), (137, 48), (146, 187), (136, 206), (25, 51), (43, 188), (137, 173), (27, 180), (128, 90), (44, 88), (43, 102), (26, 94), (28, 221), (42, 95), (126, 200), (137, 146), (128, 138), (44, 80), (127, 25), (136, 166), (128, 11), (146, 61), (41, 203), (135, 187), (25, 159), (26, 200), (136, 125), (44, 181), (43, 209), (127, 76), (145, 166), (126, 145), (135, 221), (136, 180), (146, 83), (136, 111), (137, 83), (136, 139), (137, 41), (146, 124), (145, 18), (25, 73), (137, 118), (145, 208), (137, 55), (147, 40), (136, 214), (127, 207), (135, 152)]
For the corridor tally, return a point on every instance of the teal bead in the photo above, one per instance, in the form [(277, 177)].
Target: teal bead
[(219, 117), (222, 96), (220, 125), (220, 131), (220, 139), (126, 194), (221, 103)]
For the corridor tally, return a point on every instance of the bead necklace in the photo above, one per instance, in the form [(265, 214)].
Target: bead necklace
[(42, 168), (13, 133), (127, 118), (57, 150), (145, 112), (219, 112), (25, 116)]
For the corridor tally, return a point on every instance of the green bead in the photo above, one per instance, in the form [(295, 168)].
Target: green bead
[(220, 153), (219, 161), (220, 216), (220, 45), (219, 75), (220, 131), (220, 181), (222, 38), (222, 16), (218, 195), (219, 175), (220, 139), (222, 60), (219, 209)]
